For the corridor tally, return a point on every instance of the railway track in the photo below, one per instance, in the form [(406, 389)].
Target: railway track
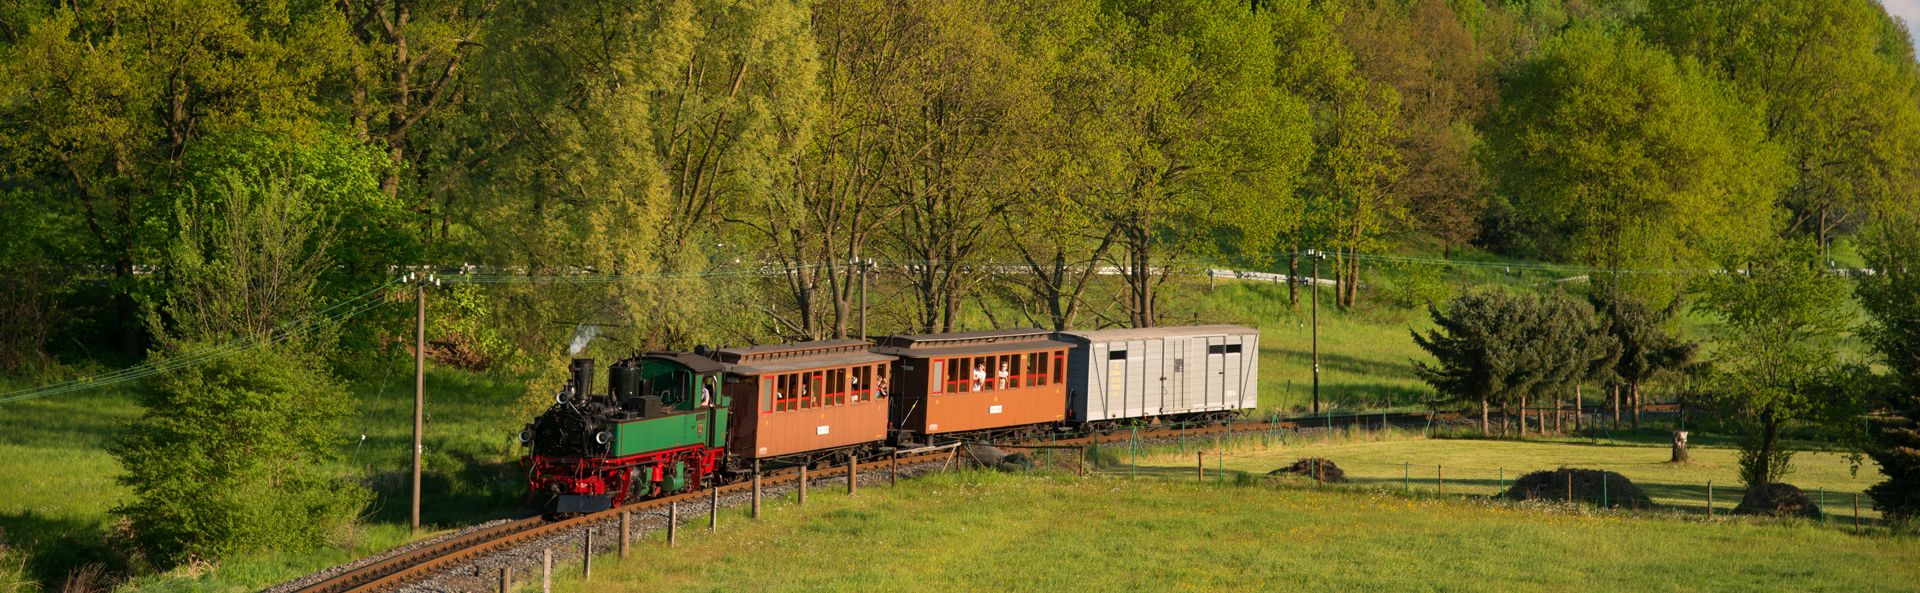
[(400, 569), (411, 565)]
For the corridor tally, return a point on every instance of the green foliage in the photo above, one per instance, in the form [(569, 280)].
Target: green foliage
[(1838, 98), (238, 455), (1412, 285), (1619, 156), (1647, 348), (1891, 297), (1499, 348), (1776, 364)]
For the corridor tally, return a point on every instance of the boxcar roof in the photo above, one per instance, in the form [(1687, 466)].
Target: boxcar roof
[(1148, 333), (795, 356), (974, 342)]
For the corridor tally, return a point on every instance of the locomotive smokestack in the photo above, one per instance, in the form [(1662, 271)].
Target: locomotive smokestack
[(583, 376)]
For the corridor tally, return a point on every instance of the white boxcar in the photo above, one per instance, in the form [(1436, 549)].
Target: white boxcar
[(1130, 373)]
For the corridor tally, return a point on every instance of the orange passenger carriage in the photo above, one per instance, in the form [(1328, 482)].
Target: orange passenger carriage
[(806, 398), (987, 384)]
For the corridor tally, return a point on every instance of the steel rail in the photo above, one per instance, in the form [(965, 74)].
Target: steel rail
[(417, 563)]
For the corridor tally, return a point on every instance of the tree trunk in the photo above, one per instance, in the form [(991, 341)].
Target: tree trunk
[(1523, 416), (1635, 388), (1679, 447), (1485, 427), (1293, 279), (1576, 407), (1616, 406)]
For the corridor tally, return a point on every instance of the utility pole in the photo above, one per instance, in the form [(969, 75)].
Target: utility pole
[(864, 264), (1315, 287), (419, 394)]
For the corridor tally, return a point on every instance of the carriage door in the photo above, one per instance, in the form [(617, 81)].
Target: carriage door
[(1216, 371), (1176, 374), (1236, 374)]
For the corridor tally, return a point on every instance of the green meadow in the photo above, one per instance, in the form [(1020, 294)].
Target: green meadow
[(980, 531)]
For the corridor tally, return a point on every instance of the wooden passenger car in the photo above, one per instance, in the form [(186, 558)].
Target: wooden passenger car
[(974, 381), (804, 397)]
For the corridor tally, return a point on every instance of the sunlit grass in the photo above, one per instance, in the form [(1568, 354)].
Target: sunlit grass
[(973, 531)]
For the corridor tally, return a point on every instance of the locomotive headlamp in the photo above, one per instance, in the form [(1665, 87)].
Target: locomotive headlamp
[(525, 437), (603, 437), (561, 397)]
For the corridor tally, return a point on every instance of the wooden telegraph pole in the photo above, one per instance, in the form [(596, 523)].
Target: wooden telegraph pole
[(864, 264), (1315, 287), (419, 393)]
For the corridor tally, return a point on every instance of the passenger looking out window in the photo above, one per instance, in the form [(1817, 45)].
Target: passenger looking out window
[(1000, 377), (979, 375)]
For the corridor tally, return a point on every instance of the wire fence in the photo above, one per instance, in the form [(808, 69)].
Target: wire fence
[(1287, 456)]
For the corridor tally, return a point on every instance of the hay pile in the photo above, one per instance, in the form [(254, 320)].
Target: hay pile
[(997, 458), (1591, 486), (1313, 468), (1779, 500)]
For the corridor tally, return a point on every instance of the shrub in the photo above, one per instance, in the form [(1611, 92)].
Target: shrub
[(237, 455)]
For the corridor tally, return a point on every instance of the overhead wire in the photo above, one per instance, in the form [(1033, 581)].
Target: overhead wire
[(343, 310)]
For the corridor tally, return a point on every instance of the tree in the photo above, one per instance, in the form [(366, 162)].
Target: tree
[(1444, 77), (1478, 349), (1619, 156), (1776, 365), (1891, 297), (1647, 349), (408, 66), (237, 453), (1205, 142), (1571, 345), (108, 99), (1837, 83)]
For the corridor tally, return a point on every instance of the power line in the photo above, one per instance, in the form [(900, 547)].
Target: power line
[(331, 315)]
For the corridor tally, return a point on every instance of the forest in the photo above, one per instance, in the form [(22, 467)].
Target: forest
[(181, 176)]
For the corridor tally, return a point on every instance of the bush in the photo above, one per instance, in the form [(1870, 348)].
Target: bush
[(237, 455)]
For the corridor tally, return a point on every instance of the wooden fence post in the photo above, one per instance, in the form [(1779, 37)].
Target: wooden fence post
[(506, 579), (1199, 466), (893, 470), (673, 523), (546, 571), (853, 472), (586, 557), (756, 488), (803, 484), (1709, 500), (1439, 480), (713, 509)]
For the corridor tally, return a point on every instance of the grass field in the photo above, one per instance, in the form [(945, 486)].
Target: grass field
[(1486, 467), (973, 531)]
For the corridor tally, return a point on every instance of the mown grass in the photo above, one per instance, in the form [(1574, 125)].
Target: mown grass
[(1399, 460), (974, 531)]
